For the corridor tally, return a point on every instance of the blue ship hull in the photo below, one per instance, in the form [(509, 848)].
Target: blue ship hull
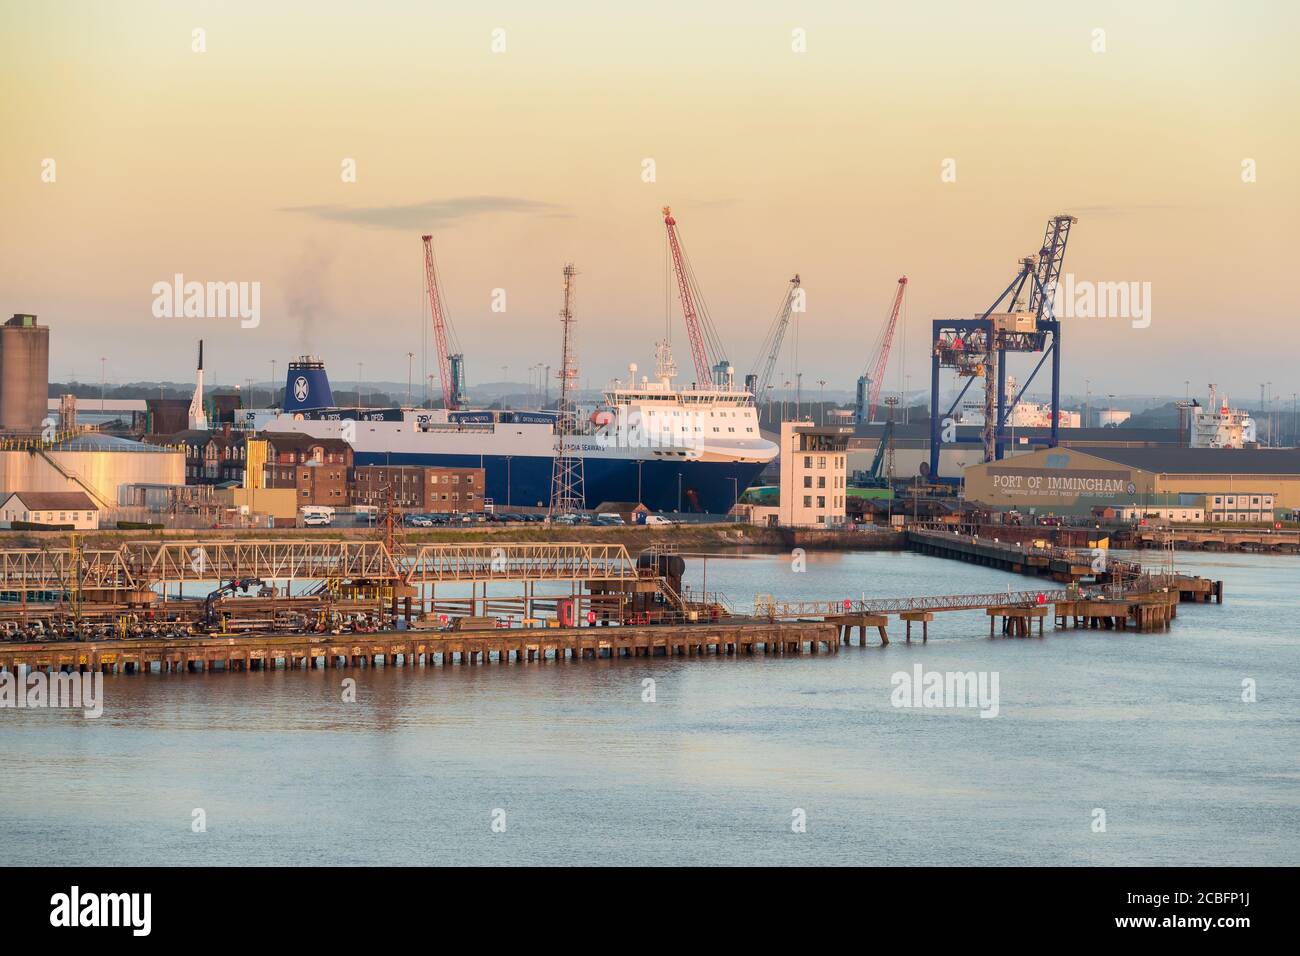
[(525, 481)]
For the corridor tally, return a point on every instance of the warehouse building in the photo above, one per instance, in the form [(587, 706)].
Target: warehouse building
[(912, 445), (1226, 484)]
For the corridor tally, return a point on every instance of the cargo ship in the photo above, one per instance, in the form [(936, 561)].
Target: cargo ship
[(692, 449)]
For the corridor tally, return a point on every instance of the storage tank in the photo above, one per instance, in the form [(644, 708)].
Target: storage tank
[(24, 374)]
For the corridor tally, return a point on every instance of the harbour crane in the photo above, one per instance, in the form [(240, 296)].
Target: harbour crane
[(1050, 259), (978, 347), (870, 384), (699, 327), (450, 366), (771, 347)]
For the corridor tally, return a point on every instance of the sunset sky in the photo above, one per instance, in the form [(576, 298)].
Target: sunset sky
[(225, 165)]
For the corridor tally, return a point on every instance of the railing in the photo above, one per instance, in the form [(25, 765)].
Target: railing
[(274, 560), (707, 600), (30, 570), (150, 563), (766, 606), (539, 561)]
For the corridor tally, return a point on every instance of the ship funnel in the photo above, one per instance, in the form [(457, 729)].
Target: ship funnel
[(307, 386)]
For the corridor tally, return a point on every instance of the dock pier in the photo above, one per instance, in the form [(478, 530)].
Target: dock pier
[(428, 649)]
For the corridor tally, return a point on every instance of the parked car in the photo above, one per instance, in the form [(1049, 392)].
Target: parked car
[(610, 519), (418, 521), (650, 519)]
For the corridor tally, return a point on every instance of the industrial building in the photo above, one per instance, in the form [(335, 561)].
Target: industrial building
[(91, 462), (1227, 484), (912, 445), (24, 375)]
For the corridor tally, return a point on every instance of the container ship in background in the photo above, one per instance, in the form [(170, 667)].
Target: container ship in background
[(689, 449)]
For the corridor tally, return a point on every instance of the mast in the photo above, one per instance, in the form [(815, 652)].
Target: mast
[(567, 491)]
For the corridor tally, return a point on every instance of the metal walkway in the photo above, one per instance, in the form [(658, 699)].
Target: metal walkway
[(144, 565), (765, 606)]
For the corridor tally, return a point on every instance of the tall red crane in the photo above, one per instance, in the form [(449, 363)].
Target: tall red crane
[(876, 377), (449, 398), (698, 327)]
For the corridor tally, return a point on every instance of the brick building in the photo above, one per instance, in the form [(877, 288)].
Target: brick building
[(419, 488), (316, 468), (211, 457)]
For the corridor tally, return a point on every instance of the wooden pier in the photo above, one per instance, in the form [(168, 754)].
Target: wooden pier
[(1149, 604), (1064, 565), (412, 648)]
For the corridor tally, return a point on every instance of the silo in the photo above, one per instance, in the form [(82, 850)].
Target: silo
[(24, 374)]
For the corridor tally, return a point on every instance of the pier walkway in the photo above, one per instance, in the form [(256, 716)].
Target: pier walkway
[(1147, 603)]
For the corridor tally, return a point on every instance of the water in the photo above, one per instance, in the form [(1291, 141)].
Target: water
[(1149, 728)]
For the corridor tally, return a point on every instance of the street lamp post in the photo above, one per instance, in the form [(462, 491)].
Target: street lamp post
[(821, 400), (102, 360), (410, 366)]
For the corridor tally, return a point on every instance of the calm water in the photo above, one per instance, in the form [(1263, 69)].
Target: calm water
[(1151, 728)]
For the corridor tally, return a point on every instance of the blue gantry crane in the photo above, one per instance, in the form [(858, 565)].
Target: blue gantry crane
[(977, 348)]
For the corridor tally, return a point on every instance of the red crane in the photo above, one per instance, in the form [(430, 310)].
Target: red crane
[(439, 326), (876, 377), (696, 328)]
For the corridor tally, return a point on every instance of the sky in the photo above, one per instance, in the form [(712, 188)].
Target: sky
[(849, 142)]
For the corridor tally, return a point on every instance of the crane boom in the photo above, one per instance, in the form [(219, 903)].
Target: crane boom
[(694, 328), (877, 375), (1050, 259), (776, 335), (449, 399)]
